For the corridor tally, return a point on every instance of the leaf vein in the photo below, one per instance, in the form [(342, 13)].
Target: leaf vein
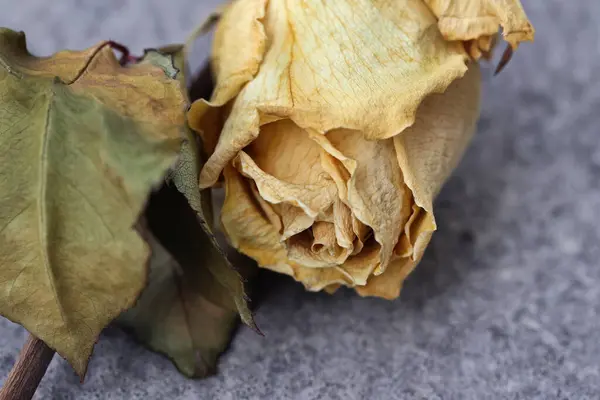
[(14, 217), (42, 206)]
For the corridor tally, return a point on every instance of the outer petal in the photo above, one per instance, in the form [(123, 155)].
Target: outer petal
[(429, 150), (234, 61), (471, 19), (389, 284), (427, 153), (405, 246), (364, 65), (361, 266), (315, 279), (249, 230)]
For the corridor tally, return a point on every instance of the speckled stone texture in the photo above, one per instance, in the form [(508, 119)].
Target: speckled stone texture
[(505, 304)]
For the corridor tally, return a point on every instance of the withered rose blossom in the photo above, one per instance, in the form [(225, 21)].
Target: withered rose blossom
[(335, 124)]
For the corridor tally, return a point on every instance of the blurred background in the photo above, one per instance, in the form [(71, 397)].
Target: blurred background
[(505, 304)]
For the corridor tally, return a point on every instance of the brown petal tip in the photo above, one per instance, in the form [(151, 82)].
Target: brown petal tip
[(506, 57)]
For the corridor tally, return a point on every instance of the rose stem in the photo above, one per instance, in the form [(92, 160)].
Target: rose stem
[(28, 371)]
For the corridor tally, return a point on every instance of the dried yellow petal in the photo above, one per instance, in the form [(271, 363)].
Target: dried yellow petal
[(326, 69), (336, 123), (429, 150), (472, 19)]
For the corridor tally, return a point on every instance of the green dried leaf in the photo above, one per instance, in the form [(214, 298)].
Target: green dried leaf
[(185, 175), (83, 142), (192, 302), (184, 312), (185, 178)]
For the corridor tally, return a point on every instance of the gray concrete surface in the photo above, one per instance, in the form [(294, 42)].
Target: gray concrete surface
[(506, 303)]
